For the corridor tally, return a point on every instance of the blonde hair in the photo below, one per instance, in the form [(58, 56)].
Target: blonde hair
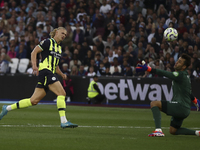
[(159, 8), (53, 33)]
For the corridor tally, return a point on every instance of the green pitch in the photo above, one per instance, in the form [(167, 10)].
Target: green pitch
[(100, 128)]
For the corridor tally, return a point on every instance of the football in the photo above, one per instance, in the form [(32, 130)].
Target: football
[(170, 34)]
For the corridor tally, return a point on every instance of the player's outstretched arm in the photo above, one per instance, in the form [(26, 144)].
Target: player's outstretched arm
[(171, 75)]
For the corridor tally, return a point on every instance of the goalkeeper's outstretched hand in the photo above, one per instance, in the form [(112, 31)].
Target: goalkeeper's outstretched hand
[(197, 103), (142, 68)]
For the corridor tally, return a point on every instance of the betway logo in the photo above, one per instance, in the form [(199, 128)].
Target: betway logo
[(126, 90)]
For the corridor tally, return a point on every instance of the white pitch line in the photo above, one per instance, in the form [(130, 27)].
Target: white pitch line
[(114, 127)]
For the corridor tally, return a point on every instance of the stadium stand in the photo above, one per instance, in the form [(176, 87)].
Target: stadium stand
[(127, 31)]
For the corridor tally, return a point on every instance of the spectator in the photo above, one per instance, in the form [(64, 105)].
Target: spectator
[(181, 29), (109, 30), (188, 24), (115, 64), (101, 70), (190, 51), (130, 43), (184, 6), (154, 45), (106, 62), (159, 35), (118, 41), (99, 43), (88, 58), (128, 71), (140, 47), (105, 8), (151, 53), (176, 53), (151, 35), (71, 4), (171, 16), (98, 60), (107, 72), (6, 57), (74, 71), (75, 64), (110, 56), (11, 53), (109, 43), (91, 71), (166, 49), (78, 36), (92, 64), (167, 59), (110, 27), (3, 63), (65, 69), (139, 58), (116, 72), (82, 71)]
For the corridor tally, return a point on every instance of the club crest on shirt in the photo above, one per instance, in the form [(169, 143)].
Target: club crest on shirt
[(175, 74)]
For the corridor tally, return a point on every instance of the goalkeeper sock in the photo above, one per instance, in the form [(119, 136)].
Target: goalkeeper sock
[(157, 116), (61, 105), (185, 131), (21, 104)]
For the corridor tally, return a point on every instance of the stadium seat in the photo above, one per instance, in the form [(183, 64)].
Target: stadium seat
[(13, 66), (23, 65)]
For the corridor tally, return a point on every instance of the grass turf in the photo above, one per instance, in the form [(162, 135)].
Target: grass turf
[(100, 128)]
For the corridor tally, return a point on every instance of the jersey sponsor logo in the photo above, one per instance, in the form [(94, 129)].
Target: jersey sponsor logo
[(55, 54), (175, 74)]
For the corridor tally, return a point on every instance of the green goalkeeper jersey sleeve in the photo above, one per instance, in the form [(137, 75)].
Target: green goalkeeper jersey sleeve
[(181, 85)]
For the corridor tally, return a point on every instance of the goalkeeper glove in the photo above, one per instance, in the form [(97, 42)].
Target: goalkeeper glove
[(142, 68), (196, 103)]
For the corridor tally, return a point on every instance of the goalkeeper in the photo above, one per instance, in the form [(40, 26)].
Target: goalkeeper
[(179, 107)]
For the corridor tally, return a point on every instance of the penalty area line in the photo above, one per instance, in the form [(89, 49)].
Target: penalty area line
[(80, 126)]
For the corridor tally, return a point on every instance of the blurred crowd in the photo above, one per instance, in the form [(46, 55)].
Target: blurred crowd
[(104, 37)]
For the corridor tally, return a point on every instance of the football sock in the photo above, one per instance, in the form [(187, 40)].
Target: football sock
[(61, 105), (158, 129), (185, 131), (157, 116), (21, 104), (197, 132)]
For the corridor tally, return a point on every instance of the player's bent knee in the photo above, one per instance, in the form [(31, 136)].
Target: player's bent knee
[(172, 131), (152, 104), (155, 103), (63, 94)]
